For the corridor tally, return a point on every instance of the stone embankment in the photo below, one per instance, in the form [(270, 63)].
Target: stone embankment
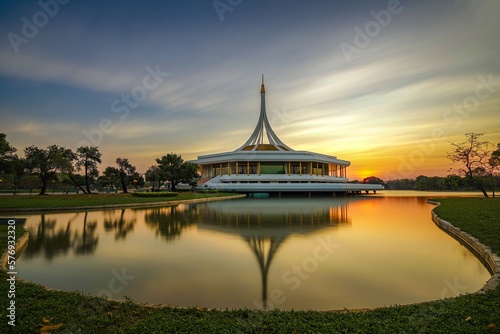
[(483, 252)]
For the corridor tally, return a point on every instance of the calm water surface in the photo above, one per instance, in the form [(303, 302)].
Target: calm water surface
[(293, 253)]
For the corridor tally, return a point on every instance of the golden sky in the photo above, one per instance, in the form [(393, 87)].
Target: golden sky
[(386, 85)]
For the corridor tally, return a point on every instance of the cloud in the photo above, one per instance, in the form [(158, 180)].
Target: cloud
[(393, 95)]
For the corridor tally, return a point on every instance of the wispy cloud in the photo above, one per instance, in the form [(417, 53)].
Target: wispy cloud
[(382, 104)]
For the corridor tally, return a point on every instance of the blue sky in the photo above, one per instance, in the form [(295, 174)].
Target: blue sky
[(422, 75)]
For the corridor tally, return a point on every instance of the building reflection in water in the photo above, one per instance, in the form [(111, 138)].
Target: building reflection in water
[(236, 253), (265, 228), (263, 225)]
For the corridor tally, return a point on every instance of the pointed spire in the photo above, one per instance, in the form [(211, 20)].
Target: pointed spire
[(263, 129)]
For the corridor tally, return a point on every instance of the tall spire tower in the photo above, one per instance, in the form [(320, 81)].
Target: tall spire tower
[(262, 130)]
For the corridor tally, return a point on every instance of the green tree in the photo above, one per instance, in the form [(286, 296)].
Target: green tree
[(11, 166), (110, 177), (421, 182), (46, 163), (473, 156), (153, 175), (175, 170), (125, 172), (7, 153), (137, 180), (10, 163), (87, 158), (189, 174)]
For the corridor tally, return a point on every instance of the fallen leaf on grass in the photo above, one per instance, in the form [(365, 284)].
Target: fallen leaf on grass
[(491, 327), (468, 318), (48, 329)]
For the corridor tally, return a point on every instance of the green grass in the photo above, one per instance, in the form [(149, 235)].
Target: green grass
[(477, 216), (156, 194), (86, 314), (50, 201)]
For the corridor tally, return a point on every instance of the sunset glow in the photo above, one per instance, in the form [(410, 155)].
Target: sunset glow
[(386, 85)]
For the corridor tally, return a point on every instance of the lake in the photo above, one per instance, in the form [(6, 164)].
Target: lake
[(318, 253)]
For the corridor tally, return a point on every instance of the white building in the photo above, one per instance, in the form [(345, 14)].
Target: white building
[(270, 166)]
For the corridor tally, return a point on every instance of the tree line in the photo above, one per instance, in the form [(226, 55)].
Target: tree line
[(478, 169), (41, 167)]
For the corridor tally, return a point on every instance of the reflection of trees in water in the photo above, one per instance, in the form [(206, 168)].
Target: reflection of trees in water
[(121, 225), (45, 239), (87, 242), (170, 221)]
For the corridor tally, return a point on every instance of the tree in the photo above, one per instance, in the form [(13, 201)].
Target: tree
[(11, 166), (125, 172), (173, 169), (154, 176), (137, 180), (373, 180), (46, 163), (473, 155), (9, 161), (189, 174), (494, 164), (87, 159), (110, 177)]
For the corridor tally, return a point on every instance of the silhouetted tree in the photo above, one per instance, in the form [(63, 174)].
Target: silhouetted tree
[(10, 164), (494, 164), (46, 163), (87, 159), (125, 171), (373, 180), (109, 177), (7, 154), (473, 155)]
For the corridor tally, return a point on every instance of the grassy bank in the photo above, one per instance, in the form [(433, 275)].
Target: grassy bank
[(35, 306), (477, 216), (50, 201)]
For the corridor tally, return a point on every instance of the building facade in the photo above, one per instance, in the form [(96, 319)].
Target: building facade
[(266, 164)]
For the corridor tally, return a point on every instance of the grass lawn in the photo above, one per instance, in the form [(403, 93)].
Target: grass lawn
[(35, 201), (479, 217), (35, 306)]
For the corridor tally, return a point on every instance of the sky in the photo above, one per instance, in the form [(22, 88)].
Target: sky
[(386, 85)]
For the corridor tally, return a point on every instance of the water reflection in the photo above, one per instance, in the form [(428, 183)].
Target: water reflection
[(86, 243), (235, 254), (168, 222), (52, 238), (121, 224), (265, 228)]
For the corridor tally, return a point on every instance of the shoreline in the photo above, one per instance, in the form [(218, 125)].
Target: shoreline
[(483, 252), (4, 211)]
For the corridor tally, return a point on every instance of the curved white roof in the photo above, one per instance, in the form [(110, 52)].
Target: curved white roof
[(256, 149)]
